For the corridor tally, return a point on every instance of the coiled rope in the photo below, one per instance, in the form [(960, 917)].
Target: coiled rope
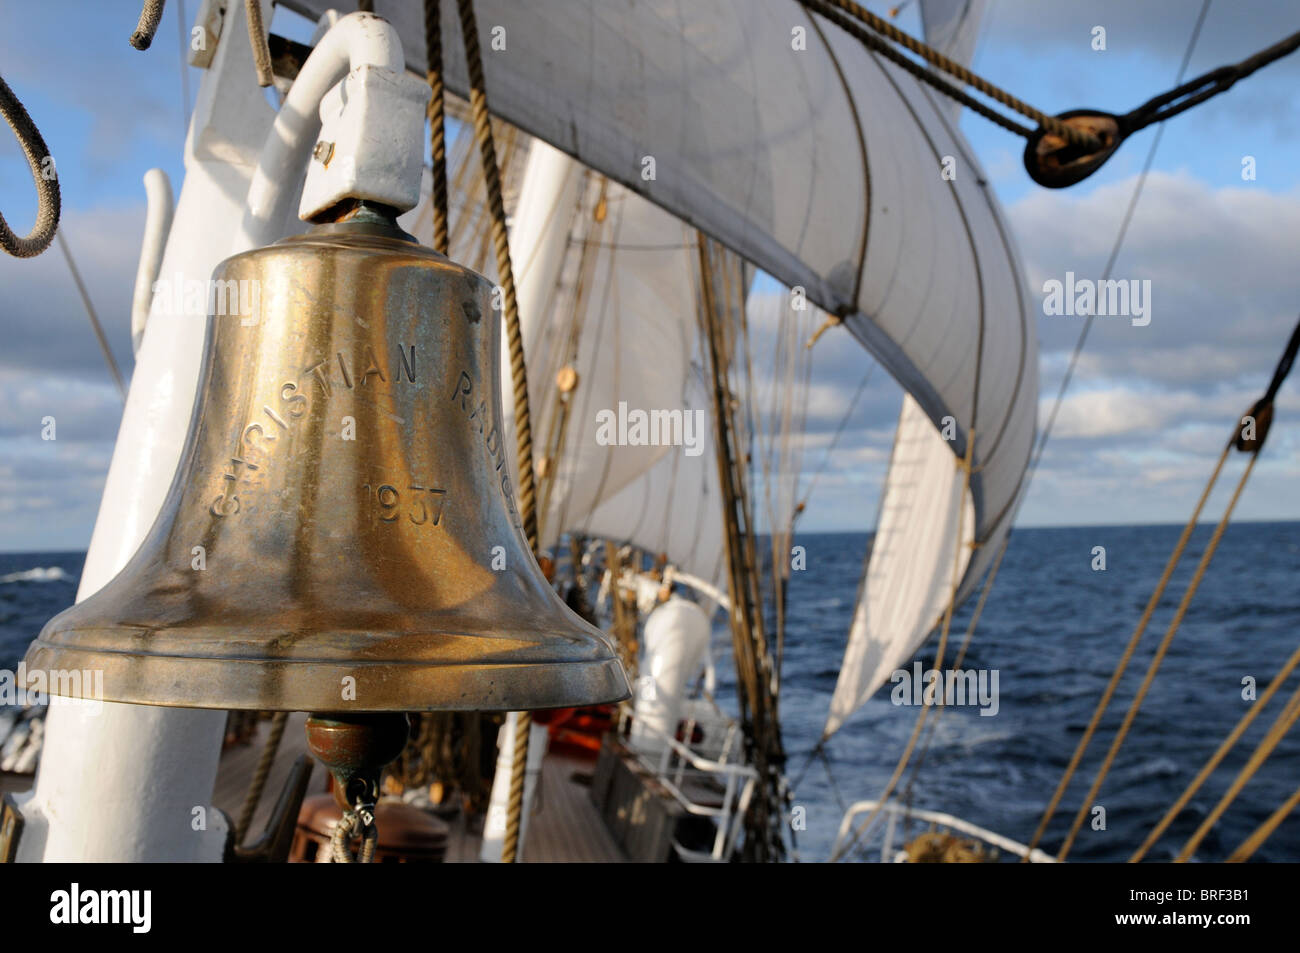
[(518, 374), (48, 202)]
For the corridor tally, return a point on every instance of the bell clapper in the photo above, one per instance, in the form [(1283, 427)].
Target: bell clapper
[(355, 747)]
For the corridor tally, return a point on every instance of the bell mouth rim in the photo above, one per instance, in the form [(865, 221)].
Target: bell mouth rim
[(311, 685)]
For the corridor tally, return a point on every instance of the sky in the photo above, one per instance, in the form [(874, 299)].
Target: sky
[(1140, 428)]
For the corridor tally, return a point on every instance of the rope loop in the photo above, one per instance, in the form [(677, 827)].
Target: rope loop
[(48, 201)]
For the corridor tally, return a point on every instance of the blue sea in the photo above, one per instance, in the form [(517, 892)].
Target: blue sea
[(1053, 628)]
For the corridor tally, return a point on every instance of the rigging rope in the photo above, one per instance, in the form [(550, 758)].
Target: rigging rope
[(845, 12), (1216, 759), (956, 666), (437, 122), (518, 373), (184, 40), (858, 22), (1051, 423), (1261, 833), (1281, 725), (1115, 249), (258, 784), (1260, 415), (48, 202), (94, 318), (1042, 443), (839, 431), (1154, 665), (258, 40), (150, 16), (1127, 656)]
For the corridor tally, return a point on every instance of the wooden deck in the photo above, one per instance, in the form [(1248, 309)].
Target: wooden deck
[(565, 826)]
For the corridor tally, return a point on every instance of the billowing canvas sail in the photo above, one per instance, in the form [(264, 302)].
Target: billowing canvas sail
[(910, 572), (675, 508), (909, 576), (606, 292)]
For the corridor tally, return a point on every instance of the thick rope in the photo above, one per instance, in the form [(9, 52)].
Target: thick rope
[(150, 16), (339, 852), (48, 202), (505, 273), (1196, 91), (878, 45), (1217, 758), (1174, 558), (263, 771), (518, 774), (849, 9), (1157, 109), (518, 373), (437, 122), (1281, 725), (369, 841), (1154, 666), (1261, 833), (257, 39)]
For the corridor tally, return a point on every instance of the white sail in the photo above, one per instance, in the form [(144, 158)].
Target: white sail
[(908, 578), (614, 300), (617, 306), (675, 508), (910, 571)]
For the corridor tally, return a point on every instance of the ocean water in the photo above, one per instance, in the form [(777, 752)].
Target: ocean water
[(1053, 629)]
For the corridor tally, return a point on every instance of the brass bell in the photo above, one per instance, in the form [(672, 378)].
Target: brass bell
[(341, 534)]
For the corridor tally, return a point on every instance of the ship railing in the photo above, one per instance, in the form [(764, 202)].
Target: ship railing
[(677, 765), (893, 810)]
